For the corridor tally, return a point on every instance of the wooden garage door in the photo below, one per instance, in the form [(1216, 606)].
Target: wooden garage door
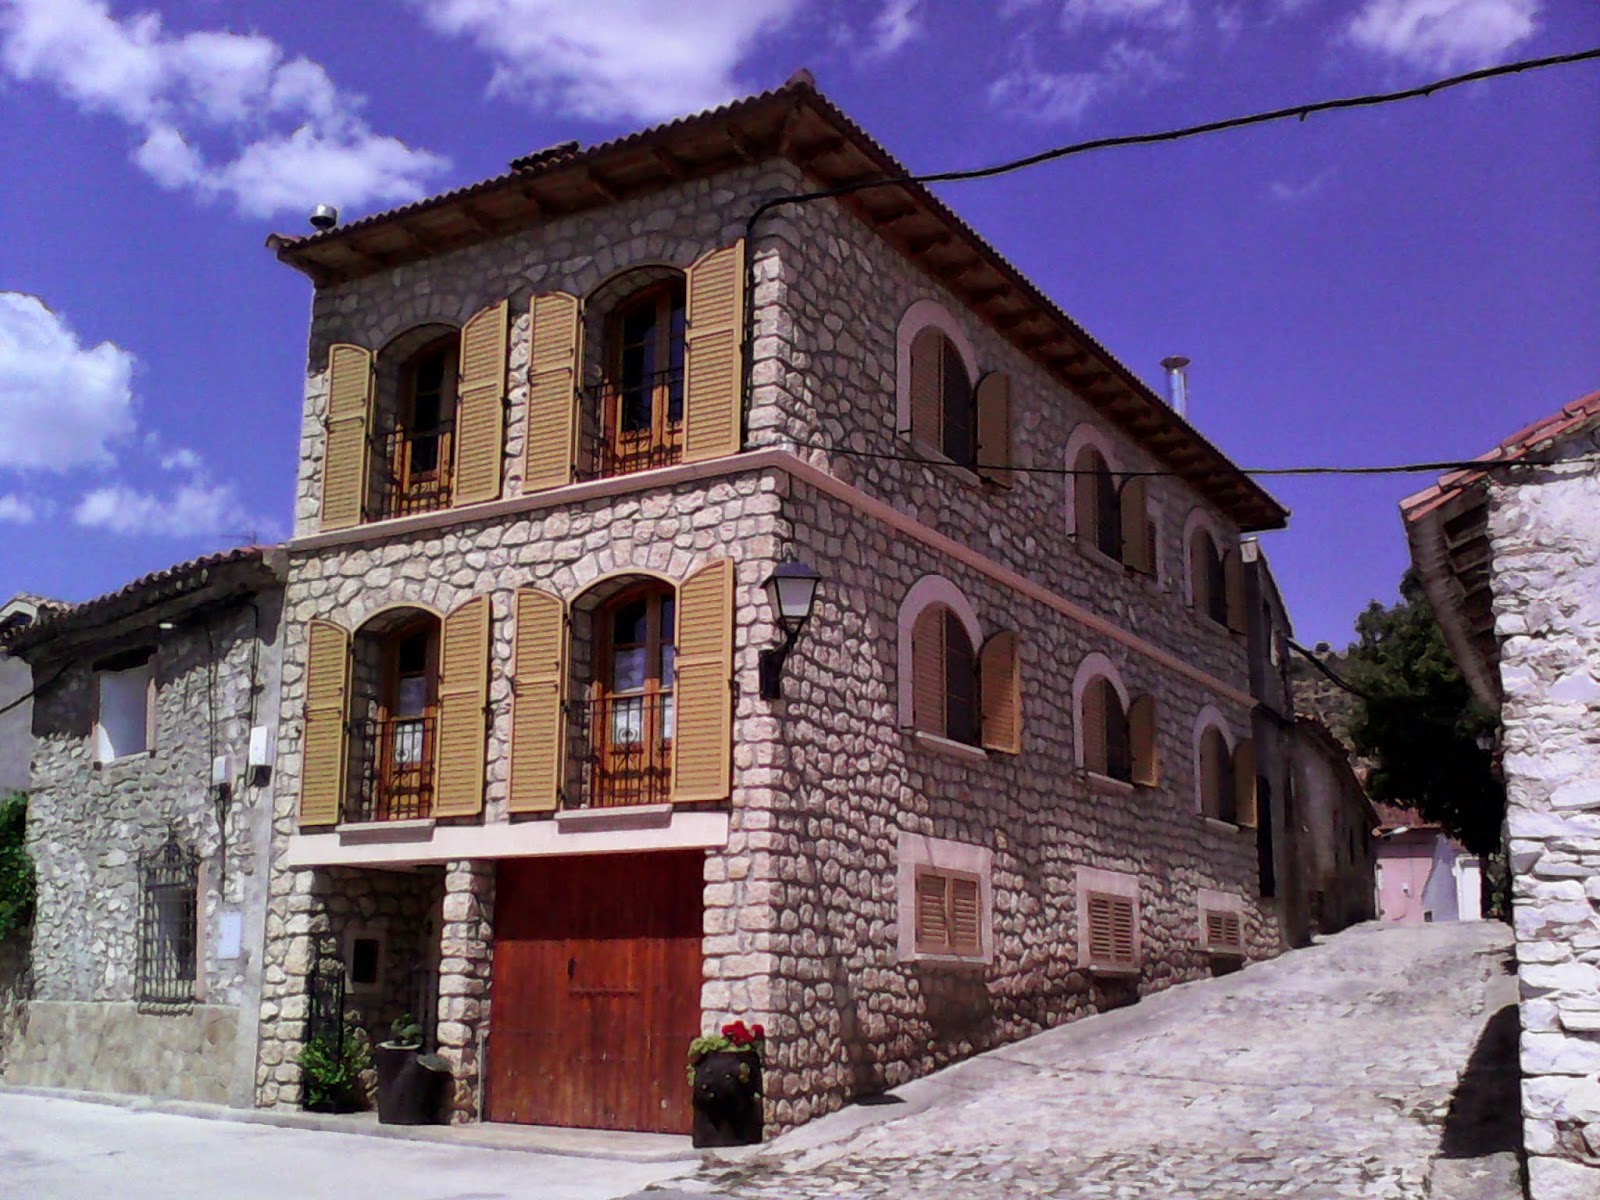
[(596, 991)]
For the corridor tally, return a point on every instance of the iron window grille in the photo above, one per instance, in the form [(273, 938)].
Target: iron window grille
[(169, 880)]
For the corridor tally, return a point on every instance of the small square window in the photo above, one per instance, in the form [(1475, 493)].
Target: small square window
[(123, 726), (363, 960)]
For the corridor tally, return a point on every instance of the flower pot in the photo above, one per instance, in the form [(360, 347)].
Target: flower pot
[(727, 1099), (411, 1086)]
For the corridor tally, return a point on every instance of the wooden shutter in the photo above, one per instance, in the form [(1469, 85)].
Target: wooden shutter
[(463, 698), (928, 671), (933, 925), (966, 932), (539, 672), (927, 403), (1224, 932), (1136, 524), (344, 455), (480, 407), (554, 357), (1092, 726), (702, 751), (322, 763), (1142, 733), (994, 429), (1086, 496), (1244, 784), (1199, 572), (1233, 583), (1111, 931), (713, 385), (1000, 678)]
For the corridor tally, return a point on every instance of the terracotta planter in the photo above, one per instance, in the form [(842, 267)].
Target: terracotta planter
[(727, 1099)]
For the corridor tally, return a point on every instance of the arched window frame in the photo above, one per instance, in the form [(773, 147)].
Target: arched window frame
[(1109, 536), (1230, 606), (1085, 436), (928, 591), (929, 314), (1209, 718), (1094, 667)]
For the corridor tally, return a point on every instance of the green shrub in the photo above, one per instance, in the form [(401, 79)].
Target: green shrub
[(333, 1066), (16, 868)]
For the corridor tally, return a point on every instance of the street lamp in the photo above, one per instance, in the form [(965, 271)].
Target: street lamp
[(792, 591)]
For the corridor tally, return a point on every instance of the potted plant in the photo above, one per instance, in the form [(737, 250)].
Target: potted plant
[(332, 1063), (725, 1073), (411, 1085)]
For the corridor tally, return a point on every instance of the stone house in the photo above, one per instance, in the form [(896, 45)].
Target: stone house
[(153, 713), (1424, 874), (16, 684), (549, 763), (1510, 560), (1334, 823)]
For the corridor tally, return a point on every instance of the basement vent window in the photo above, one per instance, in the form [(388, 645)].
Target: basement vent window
[(949, 914), (1224, 933), (1111, 926)]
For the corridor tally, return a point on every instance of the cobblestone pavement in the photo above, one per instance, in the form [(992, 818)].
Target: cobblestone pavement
[(1330, 1072)]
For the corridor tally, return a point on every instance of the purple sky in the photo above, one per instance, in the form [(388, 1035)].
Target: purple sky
[(1407, 283)]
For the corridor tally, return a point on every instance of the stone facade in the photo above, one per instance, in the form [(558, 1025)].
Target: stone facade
[(801, 910), (92, 824), (1546, 580), (1334, 822)]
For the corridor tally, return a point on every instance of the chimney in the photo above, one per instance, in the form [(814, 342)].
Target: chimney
[(1177, 384)]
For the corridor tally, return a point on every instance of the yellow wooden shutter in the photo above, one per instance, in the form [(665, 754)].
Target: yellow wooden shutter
[(1233, 573), (702, 751), (966, 930), (1199, 571), (1244, 784), (463, 695), (1135, 525), (1000, 676), (927, 671), (1092, 728), (322, 760), (539, 670), (994, 429), (927, 403), (1123, 951), (1086, 496), (933, 925), (1142, 733), (554, 359), (344, 456), (480, 409), (713, 386)]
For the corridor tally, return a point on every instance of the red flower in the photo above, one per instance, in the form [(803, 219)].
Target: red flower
[(760, 1033)]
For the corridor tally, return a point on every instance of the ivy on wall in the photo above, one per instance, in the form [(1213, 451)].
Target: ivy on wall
[(16, 868)]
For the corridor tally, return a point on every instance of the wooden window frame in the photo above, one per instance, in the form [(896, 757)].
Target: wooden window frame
[(406, 483), (663, 444), (919, 857), (1220, 807), (656, 748), (387, 773), (143, 660)]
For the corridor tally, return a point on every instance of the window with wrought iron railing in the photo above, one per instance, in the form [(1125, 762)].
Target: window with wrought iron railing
[(627, 749), (636, 424), (394, 767), (169, 880), (412, 471)]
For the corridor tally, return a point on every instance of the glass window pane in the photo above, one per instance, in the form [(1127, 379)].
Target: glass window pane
[(627, 721), (629, 669)]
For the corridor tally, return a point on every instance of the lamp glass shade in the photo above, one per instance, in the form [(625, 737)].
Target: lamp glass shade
[(792, 589)]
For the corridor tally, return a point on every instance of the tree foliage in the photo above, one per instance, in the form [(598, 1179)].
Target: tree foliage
[(1418, 721), (16, 868)]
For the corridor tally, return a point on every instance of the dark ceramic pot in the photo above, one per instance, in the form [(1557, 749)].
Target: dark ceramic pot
[(727, 1099), (411, 1086)]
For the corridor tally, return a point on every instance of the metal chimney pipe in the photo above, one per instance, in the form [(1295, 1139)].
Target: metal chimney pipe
[(1177, 383)]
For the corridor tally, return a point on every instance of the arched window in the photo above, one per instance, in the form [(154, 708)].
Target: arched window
[(1208, 577), (952, 687), (945, 685), (396, 721), (419, 448), (641, 400), (1214, 769), (1097, 503), (943, 404), (631, 708), (1116, 735)]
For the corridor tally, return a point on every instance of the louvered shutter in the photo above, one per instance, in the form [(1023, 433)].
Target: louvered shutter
[(322, 763), (539, 670), (994, 429), (463, 696), (713, 387), (1122, 932), (1102, 945), (1244, 784), (1142, 733), (966, 933), (999, 676), (1092, 726), (480, 407), (702, 751), (1135, 524), (933, 926), (928, 671), (554, 357), (1086, 496), (1199, 572), (1233, 582), (344, 456), (927, 404)]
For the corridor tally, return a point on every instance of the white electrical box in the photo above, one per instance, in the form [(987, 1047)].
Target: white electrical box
[(221, 770), (261, 746)]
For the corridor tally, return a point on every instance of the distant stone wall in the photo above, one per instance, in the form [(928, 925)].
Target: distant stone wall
[(1546, 584)]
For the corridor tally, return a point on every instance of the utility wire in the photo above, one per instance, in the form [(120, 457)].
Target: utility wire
[(1338, 679)]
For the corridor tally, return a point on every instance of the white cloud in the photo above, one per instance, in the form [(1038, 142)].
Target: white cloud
[(614, 59), (14, 510), (1162, 14), (1291, 192), (195, 508), (283, 136), (60, 402), (1036, 94), (1443, 34), (896, 24)]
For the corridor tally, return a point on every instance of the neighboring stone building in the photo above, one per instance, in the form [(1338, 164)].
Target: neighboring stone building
[(1510, 557), (560, 429), (148, 831), (16, 682), (1334, 823)]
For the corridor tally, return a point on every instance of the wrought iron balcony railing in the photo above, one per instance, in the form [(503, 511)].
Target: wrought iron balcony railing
[(632, 427), (412, 471), (394, 767), (627, 750)]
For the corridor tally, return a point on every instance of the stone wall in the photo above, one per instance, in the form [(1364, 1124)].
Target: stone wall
[(89, 824), (1546, 586), (16, 736), (15, 985), (1336, 859)]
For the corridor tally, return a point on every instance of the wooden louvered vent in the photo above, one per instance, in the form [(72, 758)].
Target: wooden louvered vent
[(949, 914), (1111, 932), (1224, 932)]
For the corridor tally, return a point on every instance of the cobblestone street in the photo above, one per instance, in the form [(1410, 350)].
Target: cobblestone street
[(1329, 1072)]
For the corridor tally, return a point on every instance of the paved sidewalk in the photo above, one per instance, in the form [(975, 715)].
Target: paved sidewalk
[(1330, 1073)]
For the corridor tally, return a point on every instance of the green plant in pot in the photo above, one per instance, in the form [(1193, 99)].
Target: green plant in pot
[(331, 1066), (411, 1085), (725, 1072)]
